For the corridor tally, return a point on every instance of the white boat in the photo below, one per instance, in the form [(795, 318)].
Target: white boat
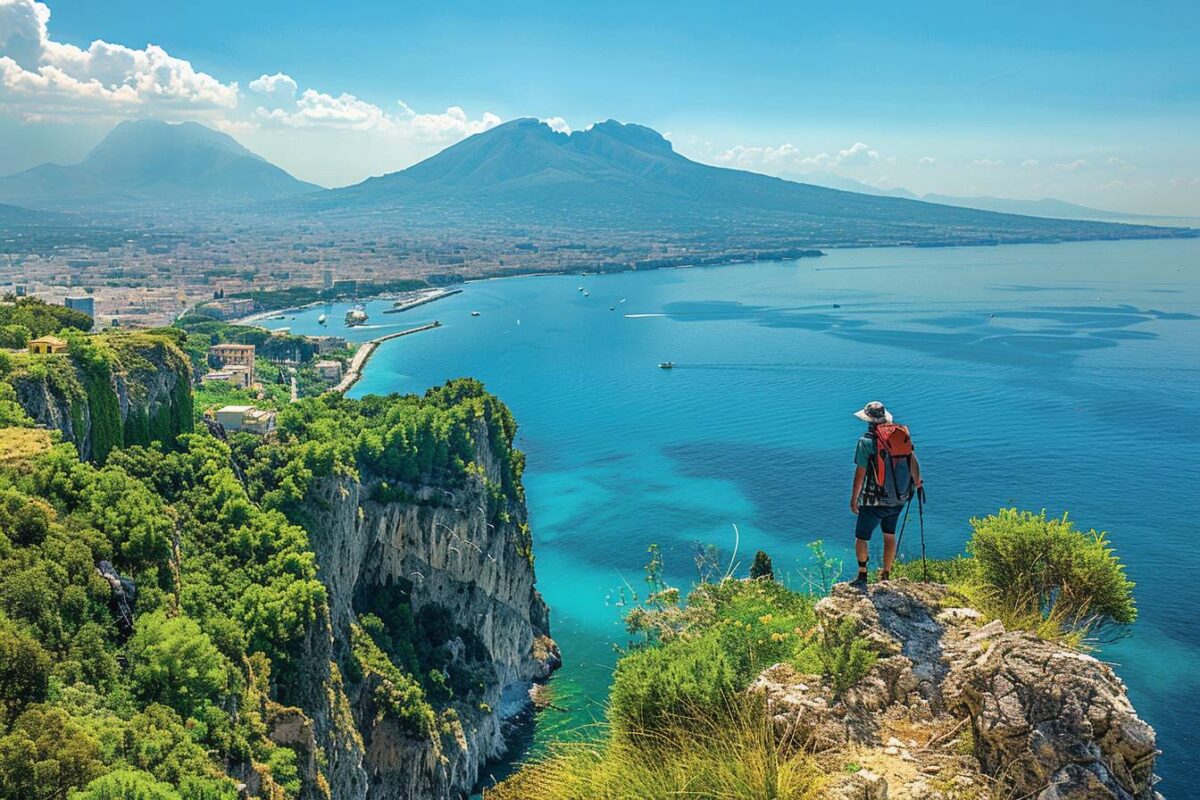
[(321, 320), (474, 313), (355, 316), (667, 365)]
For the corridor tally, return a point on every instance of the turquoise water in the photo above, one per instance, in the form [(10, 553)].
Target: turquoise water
[(1062, 377)]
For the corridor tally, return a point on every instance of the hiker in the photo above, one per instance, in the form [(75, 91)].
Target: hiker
[(885, 476)]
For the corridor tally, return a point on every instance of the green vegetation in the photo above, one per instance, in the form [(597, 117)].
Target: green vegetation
[(680, 722), (293, 296), (227, 594), (1039, 574), (84, 383), (398, 440), (25, 318), (733, 757)]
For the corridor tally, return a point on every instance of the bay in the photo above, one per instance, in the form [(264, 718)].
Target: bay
[(1058, 377)]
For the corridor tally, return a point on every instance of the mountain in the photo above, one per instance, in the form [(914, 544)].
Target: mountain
[(616, 179), (151, 162), (1045, 207)]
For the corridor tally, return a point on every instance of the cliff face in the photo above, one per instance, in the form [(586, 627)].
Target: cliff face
[(125, 389), (454, 557), (959, 709)]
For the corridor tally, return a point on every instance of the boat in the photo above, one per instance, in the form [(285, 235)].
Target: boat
[(321, 320), (580, 289), (474, 313), (667, 365), (587, 294), (355, 316)]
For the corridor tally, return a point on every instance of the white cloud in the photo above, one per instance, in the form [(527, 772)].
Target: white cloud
[(557, 124), (987, 162), (41, 77), (927, 161), (856, 155), (1182, 181), (787, 155), (1070, 166), (1030, 163), (313, 109), (276, 86)]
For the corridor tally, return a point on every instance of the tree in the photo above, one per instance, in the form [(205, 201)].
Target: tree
[(128, 784), (175, 663), (761, 568), (24, 670), (46, 754)]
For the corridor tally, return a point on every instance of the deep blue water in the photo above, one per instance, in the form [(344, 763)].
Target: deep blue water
[(1062, 377)]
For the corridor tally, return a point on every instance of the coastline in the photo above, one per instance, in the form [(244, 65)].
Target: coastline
[(367, 349)]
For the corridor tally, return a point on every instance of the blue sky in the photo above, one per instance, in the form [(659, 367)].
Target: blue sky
[(1098, 103)]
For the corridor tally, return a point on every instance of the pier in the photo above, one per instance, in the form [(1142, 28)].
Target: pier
[(420, 301), (367, 349)]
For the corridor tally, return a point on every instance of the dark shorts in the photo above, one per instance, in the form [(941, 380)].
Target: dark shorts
[(872, 517)]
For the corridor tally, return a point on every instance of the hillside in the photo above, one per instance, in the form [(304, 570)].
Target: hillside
[(152, 162), (343, 611), (627, 180)]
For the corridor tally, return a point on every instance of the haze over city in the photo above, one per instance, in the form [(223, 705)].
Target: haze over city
[(1096, 104)]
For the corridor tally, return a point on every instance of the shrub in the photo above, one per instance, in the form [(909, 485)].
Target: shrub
[(838, 653), (1049, 569), (656, 688), (128, 784), (761, 568)]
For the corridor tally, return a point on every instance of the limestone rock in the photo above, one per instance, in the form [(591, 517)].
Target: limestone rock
[(1044, 722)]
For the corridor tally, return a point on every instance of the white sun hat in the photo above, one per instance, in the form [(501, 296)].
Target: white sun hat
[(874, 412)]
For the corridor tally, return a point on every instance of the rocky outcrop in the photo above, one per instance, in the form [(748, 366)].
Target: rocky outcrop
[(475, 566), (135, 390), (955, 708)]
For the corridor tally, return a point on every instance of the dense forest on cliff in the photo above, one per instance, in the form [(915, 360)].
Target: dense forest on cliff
[(159, 599)]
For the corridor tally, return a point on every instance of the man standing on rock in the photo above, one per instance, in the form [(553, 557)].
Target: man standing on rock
[(885, 476)]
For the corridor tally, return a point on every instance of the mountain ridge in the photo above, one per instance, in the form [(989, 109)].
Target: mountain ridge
[(627, 179), (149, 161)]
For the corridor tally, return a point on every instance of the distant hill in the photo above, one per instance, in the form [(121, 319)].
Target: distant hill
[(1045, 207), (16, 215), (152, 162), (624, 179)]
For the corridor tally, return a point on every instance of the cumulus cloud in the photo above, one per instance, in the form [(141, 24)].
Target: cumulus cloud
[(1030, 163), (275, 86), (313, 109), (557, 124), (39, 76), (987, 162), (789, 156), (927, 161), (856, 155)]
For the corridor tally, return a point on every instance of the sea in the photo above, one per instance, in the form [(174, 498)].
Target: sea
[(1061, 377)]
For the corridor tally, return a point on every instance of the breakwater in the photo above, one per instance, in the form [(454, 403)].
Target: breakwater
[(364, 353)]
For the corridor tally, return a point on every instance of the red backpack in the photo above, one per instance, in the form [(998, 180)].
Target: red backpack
[(893, 461)]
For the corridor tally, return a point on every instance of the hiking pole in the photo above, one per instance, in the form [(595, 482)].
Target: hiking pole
[(903, 523), (921, 514)]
